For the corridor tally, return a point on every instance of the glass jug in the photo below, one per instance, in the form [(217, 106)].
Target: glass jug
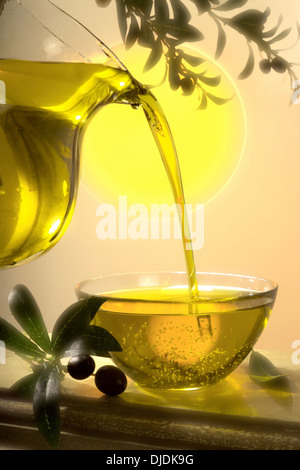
[(54, 74)]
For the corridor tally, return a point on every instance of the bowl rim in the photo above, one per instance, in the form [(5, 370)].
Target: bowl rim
[(256, 297)]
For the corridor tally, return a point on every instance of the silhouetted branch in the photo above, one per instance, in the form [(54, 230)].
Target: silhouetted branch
[(163, 26)]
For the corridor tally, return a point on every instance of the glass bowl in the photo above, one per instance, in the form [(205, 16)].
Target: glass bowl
[(172, 342)]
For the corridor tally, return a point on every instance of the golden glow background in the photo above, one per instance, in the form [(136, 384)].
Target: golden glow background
[(126, 160), (252, 227)]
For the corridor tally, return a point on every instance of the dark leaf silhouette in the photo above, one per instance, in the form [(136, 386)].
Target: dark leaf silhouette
[(202, 6), (182, 33), (250, 22), (190, 59), (210, 81), (249, 67), (174, 68), (271, 32), (122, 18), (217, 99), (203, 102), (280, 36), (143, 7), (161, 11), (155, 55), (231, 5), (146, 36), (181, 13), (133, 32), (221, 41)]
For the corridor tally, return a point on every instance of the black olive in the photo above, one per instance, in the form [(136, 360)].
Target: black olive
[(81, 367), (187, 85), (279, 65), (265, 66), (110, 380)]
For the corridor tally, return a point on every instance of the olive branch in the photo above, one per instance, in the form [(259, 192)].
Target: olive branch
[(163, 25), (72, 336)]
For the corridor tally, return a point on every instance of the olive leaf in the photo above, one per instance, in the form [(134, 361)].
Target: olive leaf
[(182, 33), (27, 313), (190, 59), (203, 6), (231, 5), (210, 81), (26, 385), (46, 409), (82, 346), (146, 36), (203, 102), (250, 22), (261, 369), (95, 341), (181, 12), (280, 36), (218, 99), (73, 322), (174, 69), (271, 32), (221, 41), (17, 342), (161, 11), (122, 18), (155, 55), (133, 32), (101, 340), (249, 67), (143, 6)]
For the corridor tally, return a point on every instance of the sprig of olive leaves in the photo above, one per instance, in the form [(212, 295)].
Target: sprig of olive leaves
[(163, 26), (72, 335), (252, 25)]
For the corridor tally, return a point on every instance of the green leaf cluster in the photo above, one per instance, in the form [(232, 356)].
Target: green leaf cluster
[(72, 335)]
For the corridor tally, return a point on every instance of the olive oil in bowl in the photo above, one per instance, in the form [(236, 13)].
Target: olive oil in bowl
[(165, 346)]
